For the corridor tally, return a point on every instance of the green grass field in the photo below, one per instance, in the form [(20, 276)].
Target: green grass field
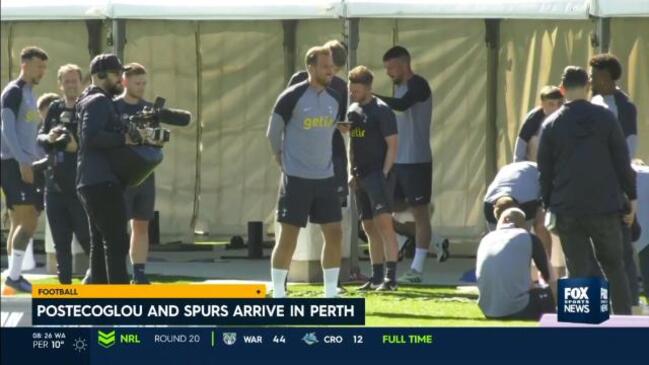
[(410, 306), (417, 306)]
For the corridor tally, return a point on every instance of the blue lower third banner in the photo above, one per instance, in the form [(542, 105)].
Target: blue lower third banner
[(207, 312), (219, 345)]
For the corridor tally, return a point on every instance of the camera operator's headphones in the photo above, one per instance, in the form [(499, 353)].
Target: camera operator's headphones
[(102, 64)]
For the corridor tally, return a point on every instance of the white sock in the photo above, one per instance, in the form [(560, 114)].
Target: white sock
[(16, 263), (28, 260), (331, 281), (278, 276), (418, 261)]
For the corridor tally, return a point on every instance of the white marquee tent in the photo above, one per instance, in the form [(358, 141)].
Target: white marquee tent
[(226, 61)]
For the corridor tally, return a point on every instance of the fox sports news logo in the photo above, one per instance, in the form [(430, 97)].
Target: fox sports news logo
[(583, 300), (576, 300)]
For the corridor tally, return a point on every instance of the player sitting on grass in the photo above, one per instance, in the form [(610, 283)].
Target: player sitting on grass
[(503, 271)]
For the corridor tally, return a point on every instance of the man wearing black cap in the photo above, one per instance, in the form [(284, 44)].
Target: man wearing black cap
[(584, 168), (101, 193)]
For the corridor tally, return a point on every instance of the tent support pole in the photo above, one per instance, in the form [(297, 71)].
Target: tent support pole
[(10, 41), (94, 28), (492, 41), (290, 30), (352, 38), (119, 37), (603, 32), (199, 127)]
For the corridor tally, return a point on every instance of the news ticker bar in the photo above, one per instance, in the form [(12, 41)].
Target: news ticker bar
[(184, 345), (207, 304)]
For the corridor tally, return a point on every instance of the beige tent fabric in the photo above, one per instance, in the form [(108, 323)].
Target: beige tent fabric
[(168, 50), (445, 53), (630, 43), (243, 74), (5, 52), (376, 37), (458, 187), (316, 32), (533, 53), (451, 55), (64, 42)]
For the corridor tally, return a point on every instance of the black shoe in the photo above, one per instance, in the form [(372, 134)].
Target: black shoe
[(368, 286), (407, 250), (442, 250), (65, 279), (388, 285), (21, 284)]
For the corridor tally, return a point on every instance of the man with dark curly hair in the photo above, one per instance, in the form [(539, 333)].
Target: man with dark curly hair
[(605, 70)]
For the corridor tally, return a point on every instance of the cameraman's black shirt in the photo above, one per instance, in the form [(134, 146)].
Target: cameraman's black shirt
[(61, 178), (125, 110), (100, 130), (368, 132)]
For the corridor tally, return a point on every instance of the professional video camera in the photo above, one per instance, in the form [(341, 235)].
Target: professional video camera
[(133, 164), (60, 144), (144, 127)]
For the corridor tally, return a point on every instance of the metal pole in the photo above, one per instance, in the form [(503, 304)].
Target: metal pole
[(492, 41), (352, 39), (94, 28), (119, 37), (290, 30), (603, 30), (10, 41), (199, 127)]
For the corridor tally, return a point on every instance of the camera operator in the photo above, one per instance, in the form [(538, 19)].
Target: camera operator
[(58, 136), (140, 199), (99, 188)]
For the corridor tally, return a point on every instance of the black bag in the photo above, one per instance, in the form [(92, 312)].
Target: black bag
[(133, 164)]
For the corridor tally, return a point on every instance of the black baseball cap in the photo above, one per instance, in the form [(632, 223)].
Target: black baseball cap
[(106, 62)]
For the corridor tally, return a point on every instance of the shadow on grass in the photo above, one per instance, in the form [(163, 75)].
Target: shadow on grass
[(420, 294), (424, 316), (166, 279), (443, 317), (408, 292), (154, 278)]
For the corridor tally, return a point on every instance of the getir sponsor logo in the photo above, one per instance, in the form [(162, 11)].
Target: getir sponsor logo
[(318, 122), (358, 133)]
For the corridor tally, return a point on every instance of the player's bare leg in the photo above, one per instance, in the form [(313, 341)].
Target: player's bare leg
[(281, 257), (331, 252), (377, 256)]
